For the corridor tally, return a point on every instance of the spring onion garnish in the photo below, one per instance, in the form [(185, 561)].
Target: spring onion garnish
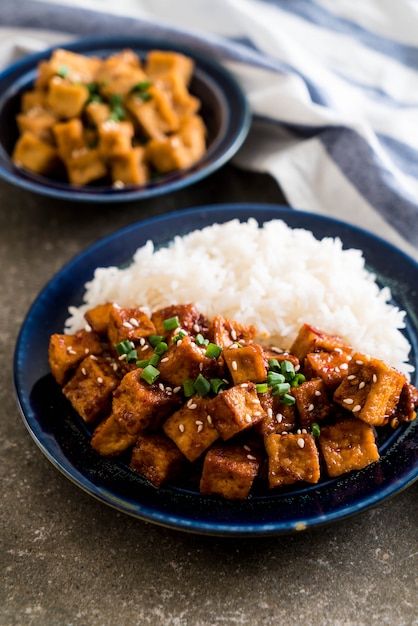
[(280, 389), (150, 374), (154, 359), (117, 109), (287, 399), (200, 340), (213, 351), (262, 387), (143, 85), (188, 388), (171, 323), (202, 385), (217, 384), (155, 340), (315, 429), (63, 71), (160, 348), (274, 378), (142, 363), (274, 365), (297, 380), (127, 348), (180, 335), (281, 377)]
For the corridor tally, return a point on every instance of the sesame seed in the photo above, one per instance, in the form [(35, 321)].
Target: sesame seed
[(311, 407), (297, 367), (200, 428), (142, 341), (247, 448), (362, 385), (181, 428), (99, 380), (234, 334), (176, 389), (71, 350), (193, 406), (161, 386), (234, 366), (358, 362), (209, 419), (374, 378), (317, 392), (257, 413), (284, 432), (93, 357), (87, 327), (250, 457), (114, 366), (337, 369), (304, 431), (122, 357), (298, 432), (245, 385), (164, 360), (344, 366), (127, 325), (348, 400), (270, 412), (189, 402), (357, 408), (301, 442), (179, 342), (201, 367), (198, 422), (279, 418), (144, 348), (248, 418), (83, 371), (338, 350), (351, 377), (134, 322)]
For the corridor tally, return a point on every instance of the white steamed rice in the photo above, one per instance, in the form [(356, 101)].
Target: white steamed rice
[(272, 276)]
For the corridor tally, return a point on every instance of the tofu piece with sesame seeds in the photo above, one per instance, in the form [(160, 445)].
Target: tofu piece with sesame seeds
[(312, 402), (110, 438), (185, 360), (190, 318), (347, 445), (406, 409), (229, 471), (98, 318), (225, 332), (128, 324), (69, 137), (90, 389), (236, 409), (310, 339), (84, 166), (157, 458), (191, 427), (371, 390), (140, 406), (115, 138), (246, 363), (331, 367), (292, 457), (279, 417), (65, 352)]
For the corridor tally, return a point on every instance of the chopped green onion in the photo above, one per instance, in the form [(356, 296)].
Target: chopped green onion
[(63, 71), (155, 340), (262, 387), (142, 86), (274, 365), (123, 347), (155, 359), (200, 340), (171, 323), (315, 429), (217, 384), (160, 348), (297, 380), (287, 399), (202, 385), (213, 351), (188, 388), (274, 378), (142, 363), (287, 369), (179, 336), (280, 389), (145, 96), (150, 374)]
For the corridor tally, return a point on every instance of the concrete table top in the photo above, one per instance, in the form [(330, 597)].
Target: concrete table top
[(67, 559)]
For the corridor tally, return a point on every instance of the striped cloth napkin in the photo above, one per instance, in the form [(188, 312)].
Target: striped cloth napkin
[(333, 87)]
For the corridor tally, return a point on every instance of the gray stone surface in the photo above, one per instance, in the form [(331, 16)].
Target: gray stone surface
[(67, 559)]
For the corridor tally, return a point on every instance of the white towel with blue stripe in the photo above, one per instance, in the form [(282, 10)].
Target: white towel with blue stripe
[(333, 87)]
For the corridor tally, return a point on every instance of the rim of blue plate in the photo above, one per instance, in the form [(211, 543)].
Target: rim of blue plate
[(225, 110), (65, 442)]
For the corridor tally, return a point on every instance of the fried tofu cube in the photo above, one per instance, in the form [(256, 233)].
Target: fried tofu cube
[(190, 319), (159, 63), (246, 363), (191, 428), (229, 471), (347, 445), (69, 137), (33, 154), (310, 339), (140, 406), (225, 332), (119, 74), (130, 168), (110, 438), (84, 166), (77, 68), (39, 122), (291, 458), (185, 360), (183, 102), (65, 99), (98, 318), (312, 402), (65, 352), (405, 410), (371, 389), (97, 113), (34, 99), (331, 367), (115, 138), (279, 417), (236, 409), (156, 458), (178, 150), (128, 324), (90, 389), (148, 117)]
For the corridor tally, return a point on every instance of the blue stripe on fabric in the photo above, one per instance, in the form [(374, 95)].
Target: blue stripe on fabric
[(377, 94), (315, 14)]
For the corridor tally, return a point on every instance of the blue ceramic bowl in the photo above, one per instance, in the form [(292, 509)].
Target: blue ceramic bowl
[(224, 109), (65, 441)]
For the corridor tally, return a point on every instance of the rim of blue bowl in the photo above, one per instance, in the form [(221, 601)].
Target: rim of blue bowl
[(235, 116)]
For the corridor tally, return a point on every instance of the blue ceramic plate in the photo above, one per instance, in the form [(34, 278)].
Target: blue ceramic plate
[(64, 440), (224, 109)]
